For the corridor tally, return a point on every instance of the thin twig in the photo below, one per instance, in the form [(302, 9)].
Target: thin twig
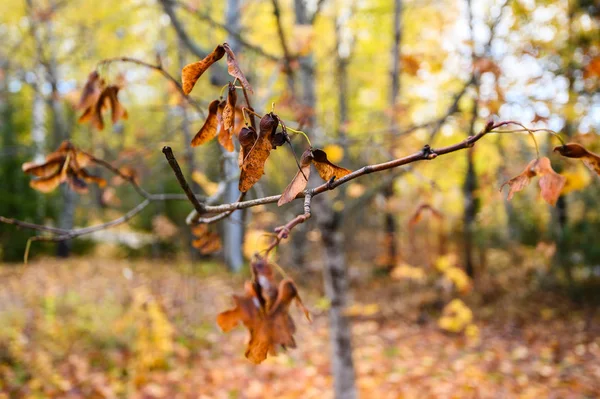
[(198, 206), (162, 71)]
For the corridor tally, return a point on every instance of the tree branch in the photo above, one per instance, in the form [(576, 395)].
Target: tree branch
[(198, 206), (162, 71)]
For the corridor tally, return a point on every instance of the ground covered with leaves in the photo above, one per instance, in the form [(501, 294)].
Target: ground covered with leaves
[(99, 328)]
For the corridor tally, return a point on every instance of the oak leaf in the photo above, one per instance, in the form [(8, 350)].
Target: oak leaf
[(298, 183), (192, 72), (253, 165), (574, 150), (234, 70), (209, 129), (326, 169)]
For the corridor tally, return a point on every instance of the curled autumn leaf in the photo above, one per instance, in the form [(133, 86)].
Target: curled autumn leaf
[(209, 130), (247, 138), (192, 72), (66, 164), (264, 311), (206, 242), (228, 120), (253, 165), (234, 69), (326, 169), (551, 183), (298, 183), (108, 98), (91, 92), (574, 150)]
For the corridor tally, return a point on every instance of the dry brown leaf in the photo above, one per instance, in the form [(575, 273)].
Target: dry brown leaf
[(299, 182), (107, 99), (48, 183), (326, 169), (44, 169), (520, 181), (229, 109), (234, 69), (63, 165), (247, 138), (551, 183), (91, 91), (269, 323), (574, 150), (209, 130), (253, 165), (228, 120), (192, 72)]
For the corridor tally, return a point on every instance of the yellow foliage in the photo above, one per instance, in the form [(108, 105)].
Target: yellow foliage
[(444, 262), (456, 316), (335, 153), (408, 272), (459, 278), (203, 181), (577, 179), (153, 342), (256, 241)]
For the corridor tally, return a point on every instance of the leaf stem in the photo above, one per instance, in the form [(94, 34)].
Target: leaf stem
[(298, 132)]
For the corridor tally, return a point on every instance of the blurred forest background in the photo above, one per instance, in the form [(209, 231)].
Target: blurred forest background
[(453, 290)]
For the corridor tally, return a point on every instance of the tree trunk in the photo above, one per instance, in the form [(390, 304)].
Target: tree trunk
[(335, 275), (233, 226), (389, 221)]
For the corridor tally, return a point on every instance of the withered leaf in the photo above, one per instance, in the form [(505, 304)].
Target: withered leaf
[(209, 130), (574, 150), (551, 183), (91, 91), (326, 169), (45, 169), (228, 120), (270, 327), (299, 182), (229, 110), (107, 99), (63, 165), (234, 69), (247, 138), (206, 242), (253, 165), (520, 181), (192, 72), (48, 183)]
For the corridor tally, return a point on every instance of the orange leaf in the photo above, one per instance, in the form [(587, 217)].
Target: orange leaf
[(228, 120), (253, 165), (91, 91), (48, 183), (192, 72), (209, 129), (234, 69), (550, 182), (574, 150), (326, 169), (520, 181), (298, 183)]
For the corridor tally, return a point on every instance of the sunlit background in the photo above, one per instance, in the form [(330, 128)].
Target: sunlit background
[(453, 290)]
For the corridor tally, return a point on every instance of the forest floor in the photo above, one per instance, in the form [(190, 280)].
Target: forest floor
[(99, 328)]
